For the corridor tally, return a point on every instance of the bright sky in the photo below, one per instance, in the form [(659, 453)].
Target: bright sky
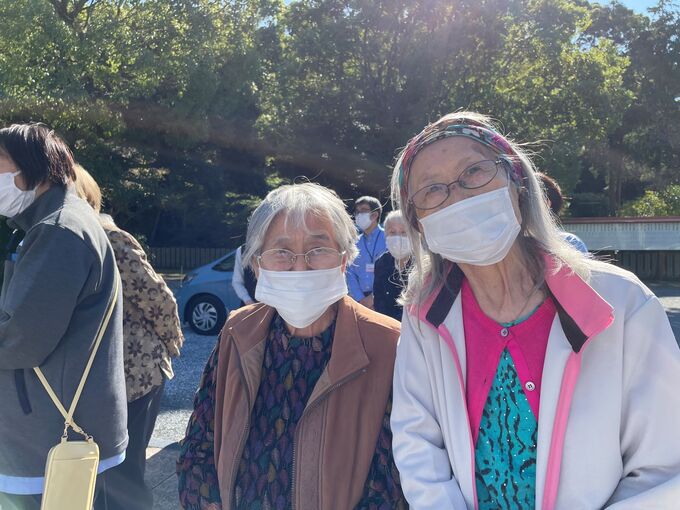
[(637, 5)]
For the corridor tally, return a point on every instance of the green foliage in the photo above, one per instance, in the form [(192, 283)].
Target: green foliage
[(188, 111), (157, 98), (655, 203)]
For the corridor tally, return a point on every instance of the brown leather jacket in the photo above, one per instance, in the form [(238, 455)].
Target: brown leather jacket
[(336, 436)]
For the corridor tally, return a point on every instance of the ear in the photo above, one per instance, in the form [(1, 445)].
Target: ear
[(255, 267), (343, 264)]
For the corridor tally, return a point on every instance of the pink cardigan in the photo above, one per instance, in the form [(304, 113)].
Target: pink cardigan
[(485, 341)]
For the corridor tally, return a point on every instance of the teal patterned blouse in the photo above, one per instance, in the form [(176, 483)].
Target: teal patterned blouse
[(505, 453)]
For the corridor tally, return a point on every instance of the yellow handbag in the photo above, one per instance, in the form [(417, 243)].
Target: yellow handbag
[(71, 467)]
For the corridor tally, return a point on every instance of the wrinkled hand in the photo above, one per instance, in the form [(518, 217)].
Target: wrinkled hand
[(367, 301)]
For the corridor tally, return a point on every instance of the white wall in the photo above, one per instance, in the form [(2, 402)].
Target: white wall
[(628, 235)]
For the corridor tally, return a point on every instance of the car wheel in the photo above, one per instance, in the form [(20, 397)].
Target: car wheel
[(206, 314)]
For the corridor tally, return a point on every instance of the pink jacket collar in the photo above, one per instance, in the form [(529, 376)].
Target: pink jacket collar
[(582, 311)]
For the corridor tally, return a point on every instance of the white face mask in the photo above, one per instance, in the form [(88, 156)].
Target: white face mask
[(398, 246), (478, 230), (301, 297), (363, 220), (12, 199)]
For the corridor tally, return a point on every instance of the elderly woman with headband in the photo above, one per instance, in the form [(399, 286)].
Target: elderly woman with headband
[(528, 375), (293, 408)]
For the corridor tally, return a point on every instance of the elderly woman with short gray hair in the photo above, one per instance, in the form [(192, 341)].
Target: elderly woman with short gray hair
[(293, 407)]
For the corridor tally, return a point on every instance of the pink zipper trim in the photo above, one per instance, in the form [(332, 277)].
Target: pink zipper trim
[(552, 475), (446, 335)]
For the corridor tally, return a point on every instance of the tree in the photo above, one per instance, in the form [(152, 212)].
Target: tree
[(655, 203), (189, 111), (645, 143), (159, 100)]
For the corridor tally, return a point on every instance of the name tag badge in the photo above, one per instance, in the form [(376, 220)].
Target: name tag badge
[(370, 268)]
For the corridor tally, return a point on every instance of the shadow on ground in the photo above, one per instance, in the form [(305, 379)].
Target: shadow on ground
[(161, 478)]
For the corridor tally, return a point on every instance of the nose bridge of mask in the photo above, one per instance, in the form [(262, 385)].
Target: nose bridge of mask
[(493, 201), (401, 240), (295, 282)]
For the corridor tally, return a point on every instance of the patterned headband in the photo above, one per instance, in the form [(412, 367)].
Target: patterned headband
[(431, 134)]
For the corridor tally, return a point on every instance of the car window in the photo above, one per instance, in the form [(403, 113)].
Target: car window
[(226, 264)]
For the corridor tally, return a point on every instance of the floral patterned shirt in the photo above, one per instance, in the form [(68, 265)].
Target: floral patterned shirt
[(151, 328), (291, 367)]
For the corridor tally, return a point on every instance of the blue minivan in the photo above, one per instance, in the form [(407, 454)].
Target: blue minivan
[(206, 296)]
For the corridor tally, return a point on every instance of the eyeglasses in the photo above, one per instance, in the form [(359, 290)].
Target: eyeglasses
[(475, 176), (284, 260)]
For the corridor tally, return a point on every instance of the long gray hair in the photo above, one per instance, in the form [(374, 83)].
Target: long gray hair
[(539, 232)]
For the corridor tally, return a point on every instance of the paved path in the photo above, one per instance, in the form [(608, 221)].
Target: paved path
[(179, 393), (669, 295)]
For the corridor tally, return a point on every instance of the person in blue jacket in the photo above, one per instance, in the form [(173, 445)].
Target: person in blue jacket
[(371, 245)]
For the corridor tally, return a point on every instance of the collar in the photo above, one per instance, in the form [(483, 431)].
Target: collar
[(48, 203), (348, 352), (582, 311), (373, 233)]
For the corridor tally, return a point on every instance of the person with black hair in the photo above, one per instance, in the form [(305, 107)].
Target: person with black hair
[(371, 245), (555, 199), (53, 300)]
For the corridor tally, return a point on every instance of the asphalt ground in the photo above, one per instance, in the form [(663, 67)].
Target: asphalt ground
[(669, 295), (178, 398)]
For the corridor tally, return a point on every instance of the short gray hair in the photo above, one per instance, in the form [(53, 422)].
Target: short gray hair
[(394, 215), (296, 201)]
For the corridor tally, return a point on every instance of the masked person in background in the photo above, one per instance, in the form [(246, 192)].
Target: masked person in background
[(152, 336), (370, 245), (528, 375), (293, 406), (391, 268), (53, 301)]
